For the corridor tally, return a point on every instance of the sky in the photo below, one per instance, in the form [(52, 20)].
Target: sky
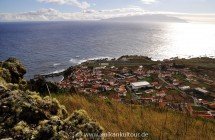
[(46, 10)]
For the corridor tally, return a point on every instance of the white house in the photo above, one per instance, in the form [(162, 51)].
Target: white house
[(104, 64), (201, 90), (184, 88), (138, 85)]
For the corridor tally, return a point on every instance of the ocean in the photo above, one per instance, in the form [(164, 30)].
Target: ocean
[(47, 47)]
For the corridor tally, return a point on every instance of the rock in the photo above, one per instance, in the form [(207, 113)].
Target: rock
[(40, 85), (13, 70)]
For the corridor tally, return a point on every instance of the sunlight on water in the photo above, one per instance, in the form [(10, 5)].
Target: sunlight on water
[(189, 40), (53, 46)]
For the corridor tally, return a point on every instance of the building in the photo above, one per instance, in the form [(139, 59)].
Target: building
[(140, 93), (104, 64), (139, 85), (161, 94), (200, 90), (184, 88)]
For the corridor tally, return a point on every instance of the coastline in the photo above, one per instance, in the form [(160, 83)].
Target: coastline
[(177, 84), (111, 87), (61, 72)]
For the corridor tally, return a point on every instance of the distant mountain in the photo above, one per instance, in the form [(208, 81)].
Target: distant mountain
[(148, 18)]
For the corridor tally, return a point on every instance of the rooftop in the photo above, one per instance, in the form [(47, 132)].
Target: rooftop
[(138, 84), (201, 90)]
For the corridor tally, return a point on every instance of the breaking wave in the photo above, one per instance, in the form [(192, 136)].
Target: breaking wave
[(56, 64), (57, 71), (79, 61)]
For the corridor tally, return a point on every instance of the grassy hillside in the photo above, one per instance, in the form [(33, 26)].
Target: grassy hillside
[(160, 124)]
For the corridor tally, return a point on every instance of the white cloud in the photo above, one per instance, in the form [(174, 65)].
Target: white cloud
[(76, 3), (40, 15), (148, 1), (54, 15)]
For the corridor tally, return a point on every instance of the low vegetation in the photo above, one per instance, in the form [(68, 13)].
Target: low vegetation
[(158, 123), (26, 115)]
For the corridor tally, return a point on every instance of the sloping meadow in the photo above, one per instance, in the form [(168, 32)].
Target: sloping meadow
[(157, 123)]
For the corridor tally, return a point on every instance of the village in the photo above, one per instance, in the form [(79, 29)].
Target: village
[(141, 81)]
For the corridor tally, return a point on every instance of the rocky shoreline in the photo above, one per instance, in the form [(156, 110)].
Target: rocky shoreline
[(121, 61)]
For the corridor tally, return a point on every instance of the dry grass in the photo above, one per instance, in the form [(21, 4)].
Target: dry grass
[(116, 117)]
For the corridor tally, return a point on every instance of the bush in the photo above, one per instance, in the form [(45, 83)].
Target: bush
[(26, 115)]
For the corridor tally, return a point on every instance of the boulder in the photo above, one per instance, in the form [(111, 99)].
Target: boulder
[(13, 70), (40, 85)]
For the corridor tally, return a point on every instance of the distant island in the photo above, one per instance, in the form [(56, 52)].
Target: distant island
[(128, 94), (155, 18)]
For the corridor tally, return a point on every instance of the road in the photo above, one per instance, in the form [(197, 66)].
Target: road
[(183, 94)]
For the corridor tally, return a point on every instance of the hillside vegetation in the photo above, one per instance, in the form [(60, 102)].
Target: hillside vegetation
[(159, 124), (29, 115), (25, 115)]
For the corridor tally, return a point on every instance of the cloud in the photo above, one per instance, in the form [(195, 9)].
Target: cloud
[(148, 1), (88, 14), (55, 15), (76, 3), (40, 15)]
